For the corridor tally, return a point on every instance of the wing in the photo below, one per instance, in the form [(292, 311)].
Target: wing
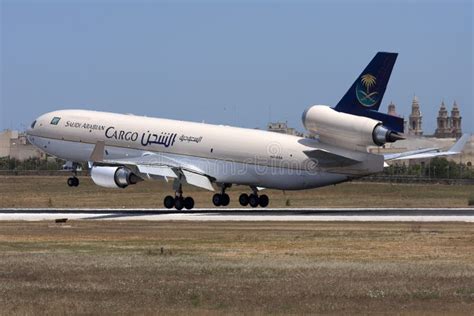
[(152, 165), (425, 153)]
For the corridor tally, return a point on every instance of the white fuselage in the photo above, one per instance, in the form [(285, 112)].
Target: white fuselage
[(227, 154)]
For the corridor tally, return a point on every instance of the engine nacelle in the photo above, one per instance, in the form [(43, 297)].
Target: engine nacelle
[(346, 130), (113, 177)]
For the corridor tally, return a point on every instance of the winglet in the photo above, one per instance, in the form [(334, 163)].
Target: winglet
[(459, 145), (97, 154)]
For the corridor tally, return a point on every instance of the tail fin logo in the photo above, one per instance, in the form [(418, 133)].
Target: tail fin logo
[(363, 90)]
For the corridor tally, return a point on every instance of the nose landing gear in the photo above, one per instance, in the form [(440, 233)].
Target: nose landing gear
[(73, 181)]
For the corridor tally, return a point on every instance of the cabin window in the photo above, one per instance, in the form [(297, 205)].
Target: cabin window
[(55, 120)]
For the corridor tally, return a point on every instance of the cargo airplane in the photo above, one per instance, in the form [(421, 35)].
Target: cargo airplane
[(122, 150)]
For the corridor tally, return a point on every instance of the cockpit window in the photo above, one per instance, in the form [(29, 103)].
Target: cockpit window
[(55, 120), (33, 124)]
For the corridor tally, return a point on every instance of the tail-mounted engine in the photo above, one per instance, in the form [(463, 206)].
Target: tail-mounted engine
[(113, 177), (346, 130)]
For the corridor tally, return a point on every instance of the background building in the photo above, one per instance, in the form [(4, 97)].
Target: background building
[(448, 126), (414, 120), (446, 134), (282, 127), (391, 109), (15, 145)]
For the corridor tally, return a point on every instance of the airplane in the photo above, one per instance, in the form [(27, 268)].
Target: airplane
[(124, 149)]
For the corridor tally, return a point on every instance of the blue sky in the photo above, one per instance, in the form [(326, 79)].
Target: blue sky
[(229, 62)]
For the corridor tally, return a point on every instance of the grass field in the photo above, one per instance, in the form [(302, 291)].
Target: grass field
[(105, 267), (37, 191)]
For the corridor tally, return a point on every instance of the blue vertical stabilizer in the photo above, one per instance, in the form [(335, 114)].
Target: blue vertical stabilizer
[(365, 95)]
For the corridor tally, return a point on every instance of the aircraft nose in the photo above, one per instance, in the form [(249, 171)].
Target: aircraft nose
[(31, 127), (30, 131)]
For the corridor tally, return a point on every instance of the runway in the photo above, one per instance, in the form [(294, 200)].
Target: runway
[(245, 214)]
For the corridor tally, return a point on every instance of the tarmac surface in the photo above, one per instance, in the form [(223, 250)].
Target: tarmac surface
[(245, 214)]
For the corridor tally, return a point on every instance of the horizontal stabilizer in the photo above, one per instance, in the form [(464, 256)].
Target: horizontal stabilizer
[(459, 145), (427, 153), (326, 159)]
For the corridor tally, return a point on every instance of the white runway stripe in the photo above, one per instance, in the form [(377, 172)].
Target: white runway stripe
[(321, 214)]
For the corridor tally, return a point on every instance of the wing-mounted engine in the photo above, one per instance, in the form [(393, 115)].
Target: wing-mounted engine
[(346, 130), (113, 176)]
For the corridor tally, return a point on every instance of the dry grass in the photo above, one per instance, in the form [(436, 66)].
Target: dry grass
[(53, 192), (253, 268)]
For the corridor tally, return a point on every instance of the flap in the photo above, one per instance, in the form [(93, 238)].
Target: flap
[(326, 159), (163, 171), (198, 180)]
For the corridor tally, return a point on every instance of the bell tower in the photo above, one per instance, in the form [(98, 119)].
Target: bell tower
[(456, 118), (443, 130), (414, 120)]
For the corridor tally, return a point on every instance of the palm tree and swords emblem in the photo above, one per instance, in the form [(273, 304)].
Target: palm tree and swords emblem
[(365, 97)]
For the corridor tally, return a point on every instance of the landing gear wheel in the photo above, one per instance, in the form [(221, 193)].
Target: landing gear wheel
[(179, 203), (217, 199), (168, 201), (244, 199), (188, 203), (73, 182), (253, 200), (263, 200), (225, 199)]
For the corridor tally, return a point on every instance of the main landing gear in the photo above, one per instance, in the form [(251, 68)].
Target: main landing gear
[(178, 201), (254, 199), (221, 199)]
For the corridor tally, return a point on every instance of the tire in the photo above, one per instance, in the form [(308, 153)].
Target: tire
[(244, 199), (70, 182), (216, 199), (75, 181), (263, 200), (179, 203), (188, 203), (253, 200), (225, 199), (168, 201)]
